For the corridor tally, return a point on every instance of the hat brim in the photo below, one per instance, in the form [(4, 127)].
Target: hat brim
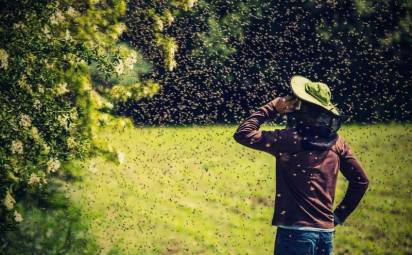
[(298, 88)]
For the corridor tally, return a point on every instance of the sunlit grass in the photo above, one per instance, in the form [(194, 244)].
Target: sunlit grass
[(194, 190)]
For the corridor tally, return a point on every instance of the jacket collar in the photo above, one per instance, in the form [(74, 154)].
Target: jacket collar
[(316, 138)]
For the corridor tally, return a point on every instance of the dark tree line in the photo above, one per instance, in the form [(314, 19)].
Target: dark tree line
[(234, 56)]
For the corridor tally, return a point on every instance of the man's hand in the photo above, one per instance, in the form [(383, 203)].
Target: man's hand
[(286, 104)]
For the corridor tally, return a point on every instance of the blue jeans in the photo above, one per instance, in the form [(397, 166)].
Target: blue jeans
[(303, 242)]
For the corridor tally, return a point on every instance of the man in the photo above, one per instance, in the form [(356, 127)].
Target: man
[(309, 154)]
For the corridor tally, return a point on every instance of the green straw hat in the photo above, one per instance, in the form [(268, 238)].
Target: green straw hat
[(313, 92)]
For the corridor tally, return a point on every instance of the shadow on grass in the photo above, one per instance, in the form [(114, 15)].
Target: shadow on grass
[(51, 224)]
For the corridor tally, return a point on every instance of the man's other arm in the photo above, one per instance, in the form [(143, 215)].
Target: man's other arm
[(358, 183)]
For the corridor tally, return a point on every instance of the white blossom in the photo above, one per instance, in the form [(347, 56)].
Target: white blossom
[(17, 216), (9, 201), (18, 25), (108, 105), (71, 12), (68, 36), (17, 147), (62, 119), (57, 17), (46, 148), (71, 142), (73, 114), (53, 165), (191, 3), (40, 89), (25, 120), (34, 179), (46, 31), (169, 17), (158, 23), (37, 104), (43, 178), (22, 82), (119, 68), (4, 59), (61, 88), (131, 60), (35, 133), (121, 28)]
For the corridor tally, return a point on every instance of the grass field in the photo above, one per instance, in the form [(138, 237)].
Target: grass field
[(194, 190)]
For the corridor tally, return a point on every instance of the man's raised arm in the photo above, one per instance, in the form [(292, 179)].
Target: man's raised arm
[(249, 135)]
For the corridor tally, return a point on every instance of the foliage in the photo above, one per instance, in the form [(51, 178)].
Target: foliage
[(47, 98), (151, 33), (62, 66), (51, 225), (126, 84)]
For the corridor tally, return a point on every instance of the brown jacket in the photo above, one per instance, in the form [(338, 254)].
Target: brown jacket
[(305, 179)]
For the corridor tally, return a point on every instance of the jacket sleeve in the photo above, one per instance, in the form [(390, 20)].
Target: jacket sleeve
[(249, 135), (358, 183)]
